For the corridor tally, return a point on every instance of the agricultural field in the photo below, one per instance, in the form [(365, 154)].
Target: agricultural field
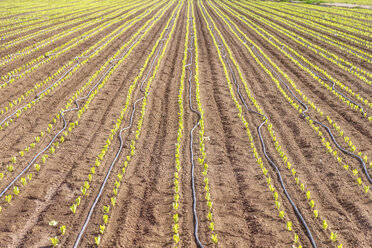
[(185, 123)]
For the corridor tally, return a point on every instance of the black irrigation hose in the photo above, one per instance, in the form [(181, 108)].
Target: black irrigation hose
[(297, 212), (315, 121), (91, 210), (68, 110), (190, 51), (327, 80), (304, 115), (314, 73)]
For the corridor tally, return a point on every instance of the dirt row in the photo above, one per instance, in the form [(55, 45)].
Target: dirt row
[(243, 206), (27, 82), (322, 24), (319, 91), (304, 147), (320, 42)]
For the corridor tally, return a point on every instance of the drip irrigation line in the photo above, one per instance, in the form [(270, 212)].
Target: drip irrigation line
[(304, 115), (264, 117), (313, 72), (76, 102), (327, 80), (91, 210), (188, 67), (318, 122), (77, 59)]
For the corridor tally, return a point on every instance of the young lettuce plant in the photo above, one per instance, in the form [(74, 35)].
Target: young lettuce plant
[(54, 241)]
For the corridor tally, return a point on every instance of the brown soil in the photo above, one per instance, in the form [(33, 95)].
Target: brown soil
[(243, 206)]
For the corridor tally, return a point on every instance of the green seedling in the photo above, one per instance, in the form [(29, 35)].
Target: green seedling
[(325, 225), (63, 230), (289, 226), (53, 223), (54, 241), (105, 218), (102, 229), (97, 240), (214, 238), (16, 190), (316, 214), (73, 208)]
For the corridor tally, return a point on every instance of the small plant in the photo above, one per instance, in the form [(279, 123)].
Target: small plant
[(37, 167), (55, 241), (277, 204), (16, 190), (289, 226), (312, 203), (73, 208), (333, 237), (102, 229), (359, 181), (316, 214), (211, 226), (106, 209), (209, 216), (53, 223), (8, 198), (23, 181), (63, 230), (97, 240), (295, 238), (281, 214), (214, 238), (325, 225), (113, 200), (302, 186), (105, 218), (176, 238), (308, 195)]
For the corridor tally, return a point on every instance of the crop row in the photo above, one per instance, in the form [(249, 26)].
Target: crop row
[(344, 64), (358, 27), (79, 61), (335, 126), (53, 55), (227, 67), (100, 157), (282, 47), (330, 30), (68, 105), (50, 40)]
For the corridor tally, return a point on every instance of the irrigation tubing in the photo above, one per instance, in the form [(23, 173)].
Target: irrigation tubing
[(190, 51), (271, 162), (91, 210), (77, 59), (313, 72), (327, 80), (76, 102), (304, 115)]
